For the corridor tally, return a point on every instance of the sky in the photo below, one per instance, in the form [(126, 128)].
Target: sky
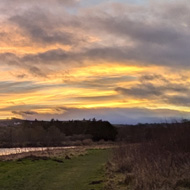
[(125, 61)]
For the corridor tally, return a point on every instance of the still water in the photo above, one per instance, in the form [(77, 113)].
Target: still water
[(8, 151)]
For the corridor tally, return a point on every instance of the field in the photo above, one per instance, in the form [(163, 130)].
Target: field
[(143, 157), (83, 172), (162, 163)]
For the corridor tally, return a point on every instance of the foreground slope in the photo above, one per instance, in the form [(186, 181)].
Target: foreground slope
[(79, 173)]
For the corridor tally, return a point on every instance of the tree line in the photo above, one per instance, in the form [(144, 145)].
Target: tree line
[(55, 133)]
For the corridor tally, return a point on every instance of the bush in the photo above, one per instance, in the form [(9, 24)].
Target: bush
[(87, 142)]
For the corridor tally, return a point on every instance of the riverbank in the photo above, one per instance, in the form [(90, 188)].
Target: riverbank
[(83, 171), (18, 153)]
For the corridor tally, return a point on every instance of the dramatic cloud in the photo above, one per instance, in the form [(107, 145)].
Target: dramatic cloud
[(154, 87), (45, 27), (124, 61), (156, 39), (148, 90)]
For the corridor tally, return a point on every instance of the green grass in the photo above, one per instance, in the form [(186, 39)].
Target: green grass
[(74, 174)]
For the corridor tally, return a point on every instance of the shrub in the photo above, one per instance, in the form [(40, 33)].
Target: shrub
[(87, 142)]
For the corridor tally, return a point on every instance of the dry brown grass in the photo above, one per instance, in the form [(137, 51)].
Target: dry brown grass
[(163, 164)]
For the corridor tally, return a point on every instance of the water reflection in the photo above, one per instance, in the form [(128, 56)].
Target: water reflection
[(9, 151)]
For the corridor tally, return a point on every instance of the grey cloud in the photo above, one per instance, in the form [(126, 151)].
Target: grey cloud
[(23, 87), (22, 106), (152, 77), (156, 40), (97, 98), (43, 27), (108, 53), (60, 57), (139, 31), (173, 11), (24, 113), (21, 76), (140, 91), (28, 3), (149, 90), (183, 100), (176, 55), (107, 82), (55, 55), (38, 64), (36, 71), (10, 59), (115, 115), (17, 87), (21, 6), (153, 87)]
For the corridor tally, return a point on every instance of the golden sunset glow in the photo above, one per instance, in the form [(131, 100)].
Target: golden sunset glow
[(59, 61)]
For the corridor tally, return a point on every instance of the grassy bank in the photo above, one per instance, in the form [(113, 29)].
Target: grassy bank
[(79, 173), (159, 164)]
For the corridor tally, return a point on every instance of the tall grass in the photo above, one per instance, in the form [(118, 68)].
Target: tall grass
[(159, 164)]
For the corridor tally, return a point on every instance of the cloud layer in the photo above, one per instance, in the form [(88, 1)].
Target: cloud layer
[(91, 56)]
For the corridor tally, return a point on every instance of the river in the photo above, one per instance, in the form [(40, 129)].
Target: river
[(9, 151)]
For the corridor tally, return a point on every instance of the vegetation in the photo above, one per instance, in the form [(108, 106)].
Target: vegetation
[(147, 157), (55, 133), (148, 132), (160, 163), (33, 173)]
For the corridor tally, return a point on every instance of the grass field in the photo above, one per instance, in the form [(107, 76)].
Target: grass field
[(79, 173)]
